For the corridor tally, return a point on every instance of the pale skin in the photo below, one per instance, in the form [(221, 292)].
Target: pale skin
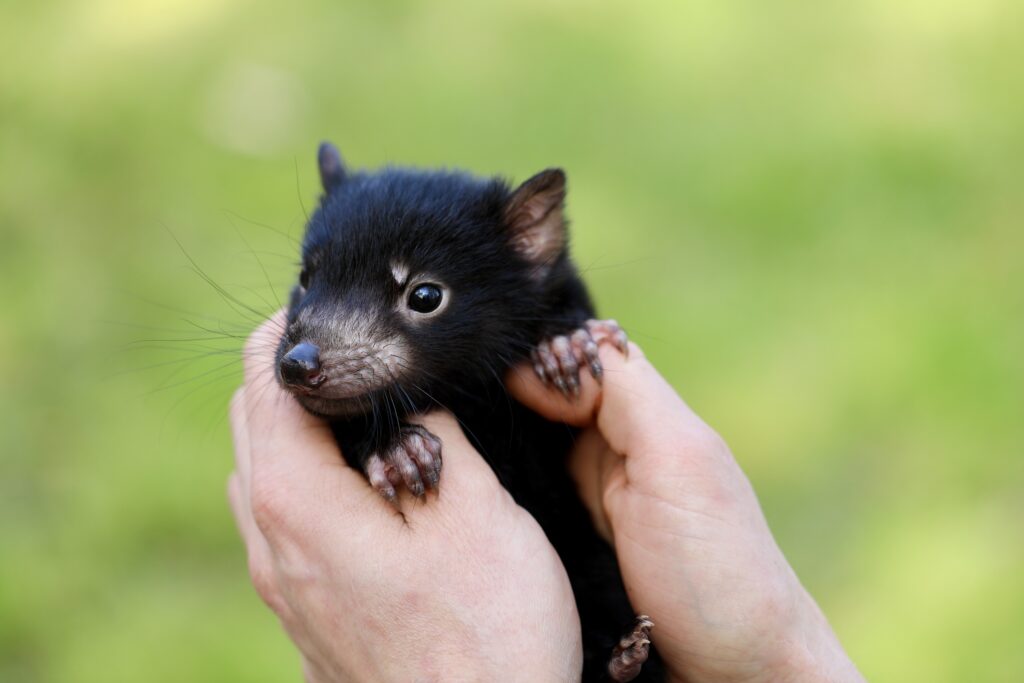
[(462, 585)]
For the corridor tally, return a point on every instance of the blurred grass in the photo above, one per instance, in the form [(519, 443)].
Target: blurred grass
[(808, 214)]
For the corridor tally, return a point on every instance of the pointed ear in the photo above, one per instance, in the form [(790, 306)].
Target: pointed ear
[(533, 214), (332, 169)]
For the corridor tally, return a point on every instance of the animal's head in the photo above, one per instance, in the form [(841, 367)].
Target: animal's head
[(414, 280)]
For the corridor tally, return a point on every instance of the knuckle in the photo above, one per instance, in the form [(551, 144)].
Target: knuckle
[(269, 504), (264, 581), (710, 441), (261, 576), (701, 442)]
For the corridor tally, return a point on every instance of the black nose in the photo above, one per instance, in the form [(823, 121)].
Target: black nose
[(301, 365)]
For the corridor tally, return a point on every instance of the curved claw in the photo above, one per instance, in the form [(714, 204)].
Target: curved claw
[(630, 654), (376, 472), (557, 361), (413, 461), (610, 330)]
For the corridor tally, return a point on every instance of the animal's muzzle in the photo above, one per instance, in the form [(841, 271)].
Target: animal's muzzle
[(300, 367)]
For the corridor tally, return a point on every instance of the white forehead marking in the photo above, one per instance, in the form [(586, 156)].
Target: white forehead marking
[(400, 271)]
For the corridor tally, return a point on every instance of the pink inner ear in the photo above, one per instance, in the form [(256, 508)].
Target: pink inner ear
[(537, 206), (535, 199), (535, 219)]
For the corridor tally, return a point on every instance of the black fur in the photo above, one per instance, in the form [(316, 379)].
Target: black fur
[(502, 304)]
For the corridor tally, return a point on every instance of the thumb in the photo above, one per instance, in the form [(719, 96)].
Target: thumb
[(578, 411), (634, 409), (464, 471), (628, 383)]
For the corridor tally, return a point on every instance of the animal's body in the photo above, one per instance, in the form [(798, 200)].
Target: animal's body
[(422, 289)]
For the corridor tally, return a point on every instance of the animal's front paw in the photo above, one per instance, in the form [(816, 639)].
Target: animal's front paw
[(630, 654), (557, 361), (413, 459)]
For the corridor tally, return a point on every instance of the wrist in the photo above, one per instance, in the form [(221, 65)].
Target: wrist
[(797, 646), (811, 651), (526, 671), (505, 659)]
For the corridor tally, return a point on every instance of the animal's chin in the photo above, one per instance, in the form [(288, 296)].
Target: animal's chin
[(333, 407), (337, 397)]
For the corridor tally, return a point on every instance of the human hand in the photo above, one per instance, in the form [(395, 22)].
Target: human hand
[(463, 586), (694, 549)]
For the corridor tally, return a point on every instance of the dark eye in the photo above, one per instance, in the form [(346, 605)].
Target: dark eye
[(304, 278), (425, 298)]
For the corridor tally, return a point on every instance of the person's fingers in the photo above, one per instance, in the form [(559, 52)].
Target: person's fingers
[(634, 407), (260, 557), (591, 463), (527, 388), (239, 503), (238, 482), (240, 439), (457, 454), (464, 471), (580, 411), (258, 553), (275, 416), (295, 468)]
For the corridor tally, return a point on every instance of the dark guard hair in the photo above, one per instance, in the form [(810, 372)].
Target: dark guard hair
[(498, 260)]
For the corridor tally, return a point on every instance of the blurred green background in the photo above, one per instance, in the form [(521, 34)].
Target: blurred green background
[(809, 214)]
